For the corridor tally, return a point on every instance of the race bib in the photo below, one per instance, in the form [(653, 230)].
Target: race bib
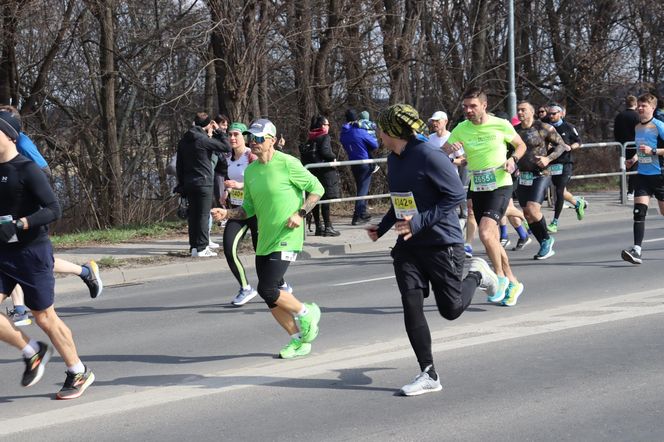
[(237, 196), (644, 158), (484, 180), (556, 169), (288, 256), (404, 204), (526, 179)]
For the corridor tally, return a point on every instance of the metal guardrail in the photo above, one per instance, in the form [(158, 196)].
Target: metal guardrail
[(610, 144)]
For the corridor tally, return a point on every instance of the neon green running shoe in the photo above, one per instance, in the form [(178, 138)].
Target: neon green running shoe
[(294, 349), (580, 208), (512, 294), (553, 226), (309, 323)]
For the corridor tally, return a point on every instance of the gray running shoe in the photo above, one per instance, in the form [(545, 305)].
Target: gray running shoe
[(632, 256), (489, 280), (19, 319), (244, 296), (421, 385)]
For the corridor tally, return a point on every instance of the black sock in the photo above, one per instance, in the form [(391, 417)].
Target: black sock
[(539, 230), (431, 371)]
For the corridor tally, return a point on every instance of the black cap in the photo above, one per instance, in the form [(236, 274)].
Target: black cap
[(9, 125)]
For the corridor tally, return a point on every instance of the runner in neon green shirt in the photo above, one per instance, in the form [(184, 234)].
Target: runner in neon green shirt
[(483, 139), (273, 188)]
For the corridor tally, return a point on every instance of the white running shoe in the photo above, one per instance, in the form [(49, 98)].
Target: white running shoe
[(286, 287), (244, 296), (205, 253), (421, 385), (213, 245)]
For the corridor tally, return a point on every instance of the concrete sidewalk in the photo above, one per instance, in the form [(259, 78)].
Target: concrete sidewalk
[(353, 239)]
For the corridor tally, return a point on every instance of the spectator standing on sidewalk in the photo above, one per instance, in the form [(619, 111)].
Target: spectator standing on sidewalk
[(195, 178), (358, 143), (328, 176), (623, 132)]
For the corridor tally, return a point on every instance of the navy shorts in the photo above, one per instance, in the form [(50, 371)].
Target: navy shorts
[(31, 267)]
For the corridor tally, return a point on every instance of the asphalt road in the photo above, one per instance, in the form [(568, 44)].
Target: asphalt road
[(579, 358)]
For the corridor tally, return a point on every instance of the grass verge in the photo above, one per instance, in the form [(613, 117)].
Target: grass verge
[(119, 234)]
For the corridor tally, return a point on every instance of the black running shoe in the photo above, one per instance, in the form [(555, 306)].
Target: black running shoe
[(631, 255), (521, 243), (93, 280), (34, 366), (76, 384)]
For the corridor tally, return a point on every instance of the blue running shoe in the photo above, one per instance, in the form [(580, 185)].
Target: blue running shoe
[(468, 249), (503, 283), (546, 249)]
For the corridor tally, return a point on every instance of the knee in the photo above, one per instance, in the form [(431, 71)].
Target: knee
[(270, 294), (640, 212), (45, 319)]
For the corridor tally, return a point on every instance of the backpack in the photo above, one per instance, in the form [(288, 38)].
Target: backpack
[(309, 152)]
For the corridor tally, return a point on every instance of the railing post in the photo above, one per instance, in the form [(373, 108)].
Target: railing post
[(623, 176)]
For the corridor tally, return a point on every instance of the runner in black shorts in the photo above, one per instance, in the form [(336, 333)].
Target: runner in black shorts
[(561, 168), (273, 188), (483, 138), (534, 179), (649, 180), (27, 206), (426, 190)]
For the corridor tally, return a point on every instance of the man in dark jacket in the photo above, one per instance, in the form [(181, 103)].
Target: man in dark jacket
[(358, 142), (623, 132), (425, 191), (195, 178)]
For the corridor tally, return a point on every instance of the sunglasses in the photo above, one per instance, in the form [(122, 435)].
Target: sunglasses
[(542, 111), (554, 113), (259, 140)]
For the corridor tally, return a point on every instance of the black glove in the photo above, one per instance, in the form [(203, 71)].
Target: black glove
[(7, 232), (179, 189)]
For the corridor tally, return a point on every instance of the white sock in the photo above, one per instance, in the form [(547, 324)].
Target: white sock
[(247, 287), (637, 249), (77, 368), (31, 349), (296, 336), (303, 311)]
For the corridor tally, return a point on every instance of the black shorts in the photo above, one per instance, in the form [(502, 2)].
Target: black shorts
[(440, 266), (649, 185), (31, 267), (270, 270), (563, 179), (491, 204), (535, 192)]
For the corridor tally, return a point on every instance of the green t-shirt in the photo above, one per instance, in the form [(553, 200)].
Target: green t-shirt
[(485, 146), (273, 192)]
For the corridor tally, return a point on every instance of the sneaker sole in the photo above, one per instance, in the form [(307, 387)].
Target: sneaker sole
[(547, 256), (42, 367), (516, 297), (23, 322), (245, 300), (94, 268), (314, 329), (418, 393), (516, 248), (80, 391), (629, 258), (299, 354)]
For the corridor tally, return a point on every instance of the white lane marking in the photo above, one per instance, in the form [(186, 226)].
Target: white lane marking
[(362, 281), (617, 308), (654, 240)]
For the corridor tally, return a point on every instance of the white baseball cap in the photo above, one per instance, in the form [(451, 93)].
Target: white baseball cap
[(438, 115), (262, 127)]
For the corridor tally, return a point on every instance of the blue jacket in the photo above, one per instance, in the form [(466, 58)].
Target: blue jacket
[(357, 142), (428, 173), (27, 148)]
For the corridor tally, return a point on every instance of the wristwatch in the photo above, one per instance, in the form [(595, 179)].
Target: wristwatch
[(302, 213), (654, 151), (19, 225)]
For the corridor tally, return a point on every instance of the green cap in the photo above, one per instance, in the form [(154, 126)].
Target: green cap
[(240, 127)]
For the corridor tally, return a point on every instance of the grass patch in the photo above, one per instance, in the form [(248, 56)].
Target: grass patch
[(120, 234)]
